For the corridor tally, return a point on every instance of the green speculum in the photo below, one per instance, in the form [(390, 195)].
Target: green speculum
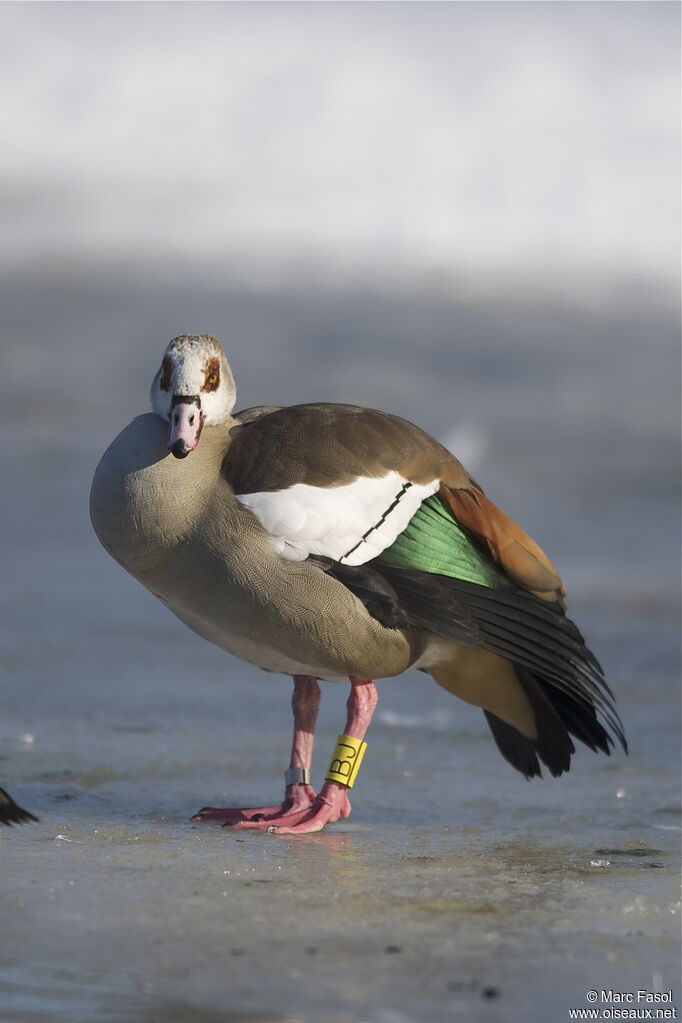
[(433, 541)]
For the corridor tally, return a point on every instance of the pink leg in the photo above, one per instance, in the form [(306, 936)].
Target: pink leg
[(332, 801), (298, 794)]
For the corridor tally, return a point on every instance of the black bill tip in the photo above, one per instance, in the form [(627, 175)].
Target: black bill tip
[(180, 449)]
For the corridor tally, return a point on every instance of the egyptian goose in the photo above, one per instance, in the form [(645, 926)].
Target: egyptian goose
[(344, 544)]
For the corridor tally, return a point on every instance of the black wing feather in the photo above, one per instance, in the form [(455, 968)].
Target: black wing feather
[(534, 634)]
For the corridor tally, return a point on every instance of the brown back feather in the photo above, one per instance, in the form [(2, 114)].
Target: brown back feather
[(327, 445)]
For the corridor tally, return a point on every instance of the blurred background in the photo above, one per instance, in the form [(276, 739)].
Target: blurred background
[(463, 213), (479, 148)]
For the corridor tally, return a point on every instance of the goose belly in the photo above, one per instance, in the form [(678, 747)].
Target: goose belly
[(254, 649), (292, 618)]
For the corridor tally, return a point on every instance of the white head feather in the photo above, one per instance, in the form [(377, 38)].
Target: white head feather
[(195, 365)]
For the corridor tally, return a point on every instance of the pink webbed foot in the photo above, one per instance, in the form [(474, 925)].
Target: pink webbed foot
[(332, 803), (298, 799)]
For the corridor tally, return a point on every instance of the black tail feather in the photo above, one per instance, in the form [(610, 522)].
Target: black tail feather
[(580, 720), (557, 716), (516, 749), (11, 812)]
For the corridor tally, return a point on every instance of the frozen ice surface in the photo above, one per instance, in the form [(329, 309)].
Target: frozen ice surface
[(456, 891)]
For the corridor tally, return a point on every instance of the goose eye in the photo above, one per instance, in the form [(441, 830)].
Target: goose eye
[(212, 378), (165, 381)]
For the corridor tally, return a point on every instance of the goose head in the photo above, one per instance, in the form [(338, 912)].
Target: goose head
[(193, 388)]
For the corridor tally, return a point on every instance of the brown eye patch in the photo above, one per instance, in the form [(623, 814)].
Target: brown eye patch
[(212, 375), (165, 381)]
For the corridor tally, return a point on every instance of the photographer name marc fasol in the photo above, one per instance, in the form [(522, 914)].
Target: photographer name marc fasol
[(639, 996)]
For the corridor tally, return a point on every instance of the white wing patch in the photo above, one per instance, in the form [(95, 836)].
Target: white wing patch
[(352, 523)]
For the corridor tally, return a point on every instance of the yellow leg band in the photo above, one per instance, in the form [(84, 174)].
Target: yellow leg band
[(346, 760)]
